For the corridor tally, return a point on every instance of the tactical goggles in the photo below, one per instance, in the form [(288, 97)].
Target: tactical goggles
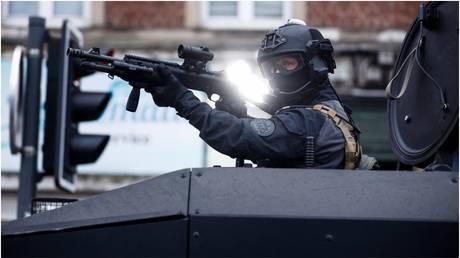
[(282, 65)]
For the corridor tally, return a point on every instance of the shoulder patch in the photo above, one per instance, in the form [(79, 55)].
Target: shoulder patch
[(263, 127)]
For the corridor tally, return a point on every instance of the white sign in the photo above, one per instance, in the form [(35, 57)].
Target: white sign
[(150, 141)]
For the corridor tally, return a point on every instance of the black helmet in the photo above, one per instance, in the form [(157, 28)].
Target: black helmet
[(294, 56)]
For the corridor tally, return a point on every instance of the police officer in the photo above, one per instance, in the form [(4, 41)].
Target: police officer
[(309, 126)]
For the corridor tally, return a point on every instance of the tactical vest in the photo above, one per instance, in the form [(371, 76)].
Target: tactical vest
[(354, 159), (353, 149)]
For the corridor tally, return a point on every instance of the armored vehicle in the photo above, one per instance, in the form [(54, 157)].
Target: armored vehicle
[(261, 212)]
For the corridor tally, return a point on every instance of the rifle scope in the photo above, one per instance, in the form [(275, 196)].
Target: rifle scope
[(194, 53)]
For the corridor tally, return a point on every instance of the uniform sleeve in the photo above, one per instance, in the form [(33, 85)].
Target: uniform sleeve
[(281, 137)]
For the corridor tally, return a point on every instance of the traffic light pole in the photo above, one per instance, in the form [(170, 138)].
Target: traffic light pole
[(28, 172)]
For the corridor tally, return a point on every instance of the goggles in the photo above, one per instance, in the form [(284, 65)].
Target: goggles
[(282, 65)]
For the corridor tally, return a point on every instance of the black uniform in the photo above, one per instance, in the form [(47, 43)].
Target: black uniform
[(296, 60), (276, 142)]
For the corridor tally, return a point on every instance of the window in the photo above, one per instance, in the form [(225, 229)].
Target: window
[(244, 14), (268, 9), (226, 9), (17, 13), (23, 8), (68, 9)]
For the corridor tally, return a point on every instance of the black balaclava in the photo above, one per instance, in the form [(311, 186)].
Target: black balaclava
[(297, 38)]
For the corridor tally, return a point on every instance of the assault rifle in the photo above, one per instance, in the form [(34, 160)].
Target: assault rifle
[(192, 73)]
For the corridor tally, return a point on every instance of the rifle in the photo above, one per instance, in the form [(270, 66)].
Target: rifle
[(192, 73)]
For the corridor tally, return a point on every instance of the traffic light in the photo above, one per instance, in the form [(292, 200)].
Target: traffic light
[(66, 105)]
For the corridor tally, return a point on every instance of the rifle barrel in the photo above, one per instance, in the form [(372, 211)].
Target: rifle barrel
[(97, 67)]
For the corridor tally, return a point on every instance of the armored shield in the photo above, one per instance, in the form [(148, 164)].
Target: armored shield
[(423, 94)]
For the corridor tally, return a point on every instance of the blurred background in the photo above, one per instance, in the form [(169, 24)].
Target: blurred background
[(366, 38)]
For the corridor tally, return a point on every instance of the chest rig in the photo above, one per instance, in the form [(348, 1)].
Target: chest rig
[(353, 151)]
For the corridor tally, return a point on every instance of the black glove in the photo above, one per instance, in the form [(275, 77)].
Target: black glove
[(168, 91)]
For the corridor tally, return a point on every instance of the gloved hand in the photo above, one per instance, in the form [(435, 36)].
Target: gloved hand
[(168, 91)]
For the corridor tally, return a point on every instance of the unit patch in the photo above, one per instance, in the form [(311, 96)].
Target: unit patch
[(263, 127)]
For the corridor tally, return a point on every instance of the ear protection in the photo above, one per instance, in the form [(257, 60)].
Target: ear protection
[(321, 61)]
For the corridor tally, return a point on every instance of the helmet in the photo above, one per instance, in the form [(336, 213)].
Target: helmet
[(295, 56)]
